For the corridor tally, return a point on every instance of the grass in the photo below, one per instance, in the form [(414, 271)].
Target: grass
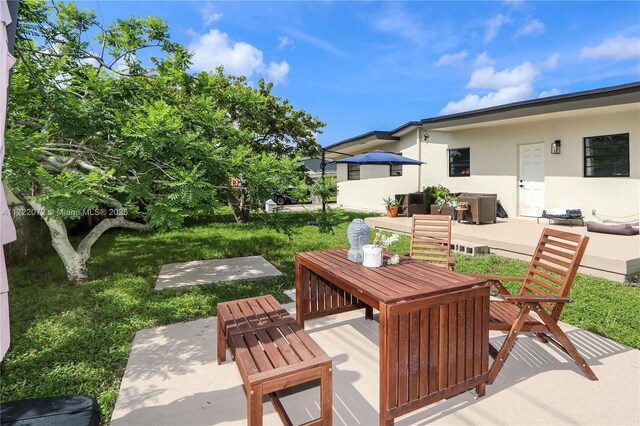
[(76, 339)]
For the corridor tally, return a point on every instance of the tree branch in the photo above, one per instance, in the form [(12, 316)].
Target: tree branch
[(84, 248), (43, 92)]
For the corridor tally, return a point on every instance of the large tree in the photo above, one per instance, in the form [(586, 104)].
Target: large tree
[(108, 121)]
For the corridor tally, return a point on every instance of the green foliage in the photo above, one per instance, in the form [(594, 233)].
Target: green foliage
[(91, 125), (326, 188), (436, 195), (69, 194), (329, 218), (77, 339), (390, 201)]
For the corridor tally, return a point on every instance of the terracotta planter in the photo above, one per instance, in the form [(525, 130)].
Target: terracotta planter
[(392, 211)]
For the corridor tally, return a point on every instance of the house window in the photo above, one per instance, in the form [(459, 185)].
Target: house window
[(459, 162), (397, 169), (606, 156), (353, 171)]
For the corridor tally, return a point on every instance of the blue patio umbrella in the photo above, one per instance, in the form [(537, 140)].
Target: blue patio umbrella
[(379, 157), (376, 157)]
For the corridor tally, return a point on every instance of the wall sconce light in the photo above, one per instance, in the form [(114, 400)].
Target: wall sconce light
[(555, 147)]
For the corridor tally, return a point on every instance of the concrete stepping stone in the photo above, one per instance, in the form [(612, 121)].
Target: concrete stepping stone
[(207, 272)]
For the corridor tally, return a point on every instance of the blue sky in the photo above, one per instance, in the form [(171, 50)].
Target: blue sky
[(362, 66)]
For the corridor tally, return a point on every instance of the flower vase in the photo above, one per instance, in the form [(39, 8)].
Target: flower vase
[(371, 255)]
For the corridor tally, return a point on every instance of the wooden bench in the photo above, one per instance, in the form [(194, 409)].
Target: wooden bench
[(272, 353)]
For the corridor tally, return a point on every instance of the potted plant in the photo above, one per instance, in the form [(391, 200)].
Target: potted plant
[(437, 197), (392, 206)]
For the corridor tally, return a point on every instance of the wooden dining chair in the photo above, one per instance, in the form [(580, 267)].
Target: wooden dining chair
[(431, 239), (545, 291)]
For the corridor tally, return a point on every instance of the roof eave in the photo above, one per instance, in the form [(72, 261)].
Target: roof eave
[(375, 135), (613, 95)]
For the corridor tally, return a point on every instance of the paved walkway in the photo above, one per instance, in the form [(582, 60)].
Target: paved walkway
[(615, 257), (205, 272), (172, 378)]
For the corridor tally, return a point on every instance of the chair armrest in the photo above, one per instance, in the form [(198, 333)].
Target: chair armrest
[(494, 280), (523, 298), (490, 277)]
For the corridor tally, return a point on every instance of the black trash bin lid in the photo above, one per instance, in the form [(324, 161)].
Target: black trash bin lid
[(69, 410)]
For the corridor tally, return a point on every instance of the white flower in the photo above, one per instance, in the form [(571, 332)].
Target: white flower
[(385, 240)]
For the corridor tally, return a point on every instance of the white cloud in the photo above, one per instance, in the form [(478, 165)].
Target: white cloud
[(532, 27), (317, 42), (238, 58), (509, 85), (483, 60), (615, 48), (493, 26), (553, 92), (395, 20), (503, 96), (454, 59), (488, 78), (552, 61), (209, 15), (277, 72), (284, 41)]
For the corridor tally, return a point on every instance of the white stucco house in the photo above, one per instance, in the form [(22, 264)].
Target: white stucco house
[(577, 150)]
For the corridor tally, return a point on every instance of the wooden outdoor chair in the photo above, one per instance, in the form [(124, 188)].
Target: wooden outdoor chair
[(431, 239), (545, 290)]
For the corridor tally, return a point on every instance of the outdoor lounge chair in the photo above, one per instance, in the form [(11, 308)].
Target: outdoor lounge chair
[(431, 239), (566, 215), (545, 290)]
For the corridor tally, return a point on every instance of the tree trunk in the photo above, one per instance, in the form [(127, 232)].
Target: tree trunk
[(240, 213), (239, 208), (75, 261)]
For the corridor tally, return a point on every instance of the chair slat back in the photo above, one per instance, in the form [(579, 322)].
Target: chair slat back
[(431, 238), (553, 266)]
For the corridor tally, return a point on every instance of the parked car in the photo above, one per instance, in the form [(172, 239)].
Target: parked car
[(282, 198)]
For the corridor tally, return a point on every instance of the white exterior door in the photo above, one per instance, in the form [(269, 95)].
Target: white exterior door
[(531, 182)]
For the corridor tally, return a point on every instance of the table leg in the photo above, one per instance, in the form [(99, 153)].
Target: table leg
[(222, 342), (384, 367), (368, 312), (300, 294)]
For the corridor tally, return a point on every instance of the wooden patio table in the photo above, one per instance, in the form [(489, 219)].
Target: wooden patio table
[(434, 323)]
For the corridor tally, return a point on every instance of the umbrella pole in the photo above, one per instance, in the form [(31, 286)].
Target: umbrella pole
[(323, 164)]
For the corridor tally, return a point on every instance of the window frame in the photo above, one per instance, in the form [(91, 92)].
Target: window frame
[(449, 162), (398, 168), (353, 169), (585, 157)]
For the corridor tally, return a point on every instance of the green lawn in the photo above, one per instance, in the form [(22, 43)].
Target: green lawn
[(76, 339)]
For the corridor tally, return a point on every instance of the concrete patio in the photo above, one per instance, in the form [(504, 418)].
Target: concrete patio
[(207, 272), (615, 257), (172, 378)]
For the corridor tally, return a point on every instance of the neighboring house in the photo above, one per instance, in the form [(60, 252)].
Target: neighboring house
[(314, 171), (578, 150)]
